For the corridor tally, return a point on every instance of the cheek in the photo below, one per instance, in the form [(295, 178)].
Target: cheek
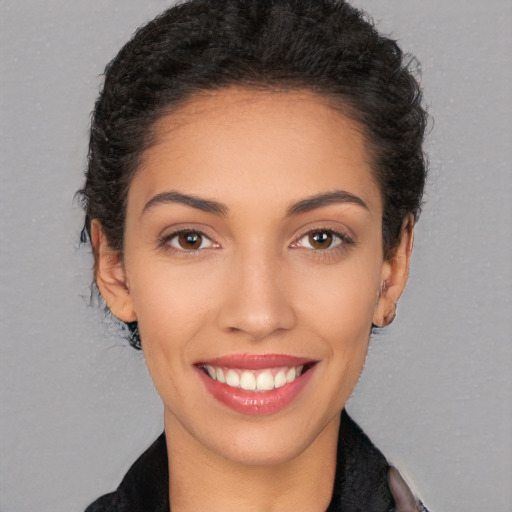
[(172, 304), (343, 319), (339, 300)]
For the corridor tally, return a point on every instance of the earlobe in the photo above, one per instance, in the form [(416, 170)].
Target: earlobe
[(110, 276), (395, 272)]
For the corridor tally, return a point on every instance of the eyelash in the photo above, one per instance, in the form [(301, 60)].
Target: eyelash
[(330, 254), (165, 241), (341, 243), (343, 240)]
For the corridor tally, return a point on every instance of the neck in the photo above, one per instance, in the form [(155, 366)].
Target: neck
[(202, 480)]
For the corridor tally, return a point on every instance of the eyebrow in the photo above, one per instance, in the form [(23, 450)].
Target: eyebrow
[(217, 208), (321, 200), (205, 205)]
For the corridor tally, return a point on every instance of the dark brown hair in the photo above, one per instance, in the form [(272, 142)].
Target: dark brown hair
[(325, 46)]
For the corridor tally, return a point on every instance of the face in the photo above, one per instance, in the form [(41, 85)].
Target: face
[(253, 264)]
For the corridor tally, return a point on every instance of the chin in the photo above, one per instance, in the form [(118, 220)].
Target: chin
[(264, 442), (263, 450)]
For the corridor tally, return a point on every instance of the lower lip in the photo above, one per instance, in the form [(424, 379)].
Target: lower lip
[(256, 402)]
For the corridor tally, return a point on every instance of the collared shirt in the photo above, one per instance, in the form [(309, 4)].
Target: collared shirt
[(364, 481)]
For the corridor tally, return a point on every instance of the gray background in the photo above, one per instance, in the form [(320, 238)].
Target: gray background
[(78, 405)]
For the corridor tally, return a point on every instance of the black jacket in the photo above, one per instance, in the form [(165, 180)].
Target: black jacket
[(364, 482)]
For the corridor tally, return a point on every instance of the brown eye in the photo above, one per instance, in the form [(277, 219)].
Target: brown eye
[(190, 241), (320, 239)]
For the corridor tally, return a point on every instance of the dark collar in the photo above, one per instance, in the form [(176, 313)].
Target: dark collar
[(360, 484)]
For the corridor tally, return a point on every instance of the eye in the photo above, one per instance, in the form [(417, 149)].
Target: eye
[(189, 241), (322, 239)]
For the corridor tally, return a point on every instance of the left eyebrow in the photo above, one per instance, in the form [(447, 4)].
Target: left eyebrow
[(321, 200), (198, 203)]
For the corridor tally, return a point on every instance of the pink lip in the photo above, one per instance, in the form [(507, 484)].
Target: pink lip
[(257, 361), (256, 402)]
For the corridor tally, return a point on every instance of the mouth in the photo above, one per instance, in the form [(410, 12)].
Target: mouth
[(260, 380), (254, 384)]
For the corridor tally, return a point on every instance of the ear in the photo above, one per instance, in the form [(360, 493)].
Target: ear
[(110, 275), (395, 271)]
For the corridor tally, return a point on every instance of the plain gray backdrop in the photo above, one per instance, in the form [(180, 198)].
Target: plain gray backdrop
[(77, 404)]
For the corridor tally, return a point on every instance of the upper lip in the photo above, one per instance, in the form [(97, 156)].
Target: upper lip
[(256, 361)]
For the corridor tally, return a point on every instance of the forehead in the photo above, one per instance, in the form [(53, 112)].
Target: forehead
[(243, 143)]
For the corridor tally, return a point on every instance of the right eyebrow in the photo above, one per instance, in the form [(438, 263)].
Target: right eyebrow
[(205, 205), (326, 199)]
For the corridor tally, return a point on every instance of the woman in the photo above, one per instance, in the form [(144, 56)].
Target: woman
[(255, 173)]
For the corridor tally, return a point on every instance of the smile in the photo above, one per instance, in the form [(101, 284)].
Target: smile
[(251, 380), (256, 384)]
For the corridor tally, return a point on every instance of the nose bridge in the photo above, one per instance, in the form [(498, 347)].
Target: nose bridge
[(256, 301)]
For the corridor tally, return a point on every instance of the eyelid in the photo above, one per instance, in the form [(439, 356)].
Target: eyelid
[(343, 238), (165, 239), (204, 239)]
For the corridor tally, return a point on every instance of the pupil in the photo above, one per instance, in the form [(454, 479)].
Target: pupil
[(190, 240), (321, 239)]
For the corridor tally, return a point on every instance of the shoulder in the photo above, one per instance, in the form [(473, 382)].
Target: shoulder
[(403, 497), (364, 480), (144, 488), (104, 504)]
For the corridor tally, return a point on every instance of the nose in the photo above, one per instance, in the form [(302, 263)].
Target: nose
[(255, 300)]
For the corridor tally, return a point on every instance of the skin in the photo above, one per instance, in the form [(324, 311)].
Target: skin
[(257, 284)]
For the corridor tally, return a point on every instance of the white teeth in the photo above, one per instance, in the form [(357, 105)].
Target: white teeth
[(265, 381), (290, 375), (257, 380), (232, 378), (280, 379), (211, 371), (248, 381), (219, 374)]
